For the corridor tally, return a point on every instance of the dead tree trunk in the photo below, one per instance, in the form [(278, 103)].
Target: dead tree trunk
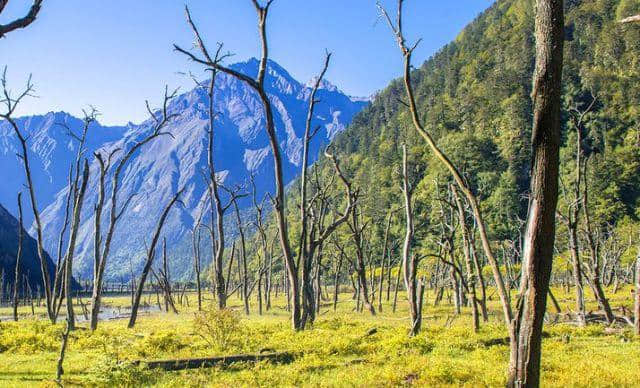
[(471, 282), (305, 257), (258, 86), (524, 365), (16, 280), (150, 256), (409, 259), (75, 224)]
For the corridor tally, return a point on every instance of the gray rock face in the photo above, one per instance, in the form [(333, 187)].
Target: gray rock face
[(160, 168), (51, 151)]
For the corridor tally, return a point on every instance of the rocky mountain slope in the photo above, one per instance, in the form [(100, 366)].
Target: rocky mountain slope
[(169, 163)]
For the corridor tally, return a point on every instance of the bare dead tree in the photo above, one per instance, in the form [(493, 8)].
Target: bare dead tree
[(102, 251), (22, 22), (407, 52), (304, 256), (318, 209), (257, 84), (151, 252), (77, 190), (574, 208), (410, 260), (537, 258), (16, 280), (595, 271), (466, 249), (75, 224), (10, 102)]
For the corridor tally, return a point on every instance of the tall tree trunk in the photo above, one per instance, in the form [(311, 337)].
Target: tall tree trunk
[(409, 261), (75, 224), (16, 280), (257, 84), (524, 366)]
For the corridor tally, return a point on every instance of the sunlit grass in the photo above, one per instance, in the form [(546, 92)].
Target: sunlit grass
[(336, 352)]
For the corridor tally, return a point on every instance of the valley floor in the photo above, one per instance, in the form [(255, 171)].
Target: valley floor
[(340, 350)]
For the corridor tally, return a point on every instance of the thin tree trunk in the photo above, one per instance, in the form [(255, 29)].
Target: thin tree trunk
[(16, 281)]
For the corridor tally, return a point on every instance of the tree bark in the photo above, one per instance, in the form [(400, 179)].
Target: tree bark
[(22, 22), (524, 365)]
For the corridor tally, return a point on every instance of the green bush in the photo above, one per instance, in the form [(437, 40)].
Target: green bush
[(219, 328)]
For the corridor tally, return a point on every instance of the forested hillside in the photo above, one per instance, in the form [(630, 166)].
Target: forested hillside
[(474, 96)]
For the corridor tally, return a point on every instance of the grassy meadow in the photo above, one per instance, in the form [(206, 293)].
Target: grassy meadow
[(339, 350)]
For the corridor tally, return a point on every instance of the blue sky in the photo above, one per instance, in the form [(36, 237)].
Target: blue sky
[(115, 54)]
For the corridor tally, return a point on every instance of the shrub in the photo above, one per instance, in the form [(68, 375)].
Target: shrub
[(219, 328)]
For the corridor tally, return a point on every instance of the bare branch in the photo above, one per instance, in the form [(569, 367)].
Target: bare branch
[(23, 22)]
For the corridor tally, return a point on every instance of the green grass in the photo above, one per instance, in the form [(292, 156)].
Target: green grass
[(335, 352)]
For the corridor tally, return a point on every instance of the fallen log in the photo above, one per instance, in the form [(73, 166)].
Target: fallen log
[(208, 362)]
